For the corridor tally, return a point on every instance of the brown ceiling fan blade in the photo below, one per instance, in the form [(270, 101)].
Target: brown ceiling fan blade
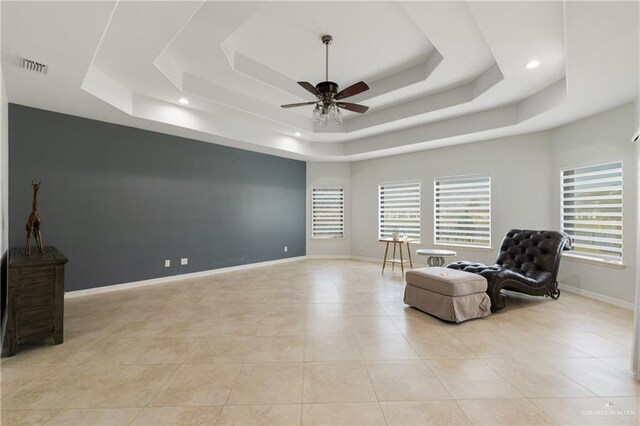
[(352, 90), (298, 105), (352, 107), (310, 87)]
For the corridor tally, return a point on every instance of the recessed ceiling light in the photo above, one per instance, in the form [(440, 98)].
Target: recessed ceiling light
[(533, 64), (297, 134), (183, 101)]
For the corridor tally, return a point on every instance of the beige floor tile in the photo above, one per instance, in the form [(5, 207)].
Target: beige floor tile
[(363, 413), (11, 378), (371, 325), (619, 363), (243, 326), (47, 354), (163, 350), (595, 345), (592, 411), (321, 319), (504, 412), (536, 378), (471, 379), (248, 349), (55, 389), (331, 348), (26, 417), (178, 416), (439, 346), (345, 309), (337, 382), (282, 326), (385, 347), (267, 384), (498, 344), (327, 326), (123, 386), (85, 417), (109, 351), (404, 381), (597, 377), (423, 413), (288, 414), (197, 385)]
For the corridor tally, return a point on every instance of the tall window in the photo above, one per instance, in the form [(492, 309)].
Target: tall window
[(327, 213), (399, 209), (592, 210), (462, 211)]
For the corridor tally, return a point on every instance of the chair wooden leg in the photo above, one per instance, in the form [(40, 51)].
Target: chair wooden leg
[(409, 253), (401, 261)]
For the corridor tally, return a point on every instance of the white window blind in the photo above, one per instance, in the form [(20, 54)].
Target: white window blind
[(592, 210), (462, 211), (327, 215), (399, 209)]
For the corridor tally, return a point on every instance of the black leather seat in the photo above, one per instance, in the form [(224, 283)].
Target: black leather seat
[(528, 263)]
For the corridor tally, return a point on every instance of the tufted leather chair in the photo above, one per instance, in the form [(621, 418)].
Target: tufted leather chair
[(528, 263)]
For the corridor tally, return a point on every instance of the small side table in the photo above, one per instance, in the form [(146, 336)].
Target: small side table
[(393, 260), (436, 257)]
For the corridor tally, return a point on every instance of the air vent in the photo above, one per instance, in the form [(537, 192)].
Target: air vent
[(34, 66)]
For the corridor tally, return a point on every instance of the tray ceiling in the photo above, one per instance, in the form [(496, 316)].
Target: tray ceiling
[(440, 73)]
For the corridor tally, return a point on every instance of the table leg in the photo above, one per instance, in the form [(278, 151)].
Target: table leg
[(409, 253), (393, 265), (401, 261), (384, 261)]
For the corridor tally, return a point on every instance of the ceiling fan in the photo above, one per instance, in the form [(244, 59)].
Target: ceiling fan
[(328, 97)]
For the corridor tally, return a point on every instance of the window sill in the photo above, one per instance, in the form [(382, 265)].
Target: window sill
[(462, 246), (594, 261), (327, 239)]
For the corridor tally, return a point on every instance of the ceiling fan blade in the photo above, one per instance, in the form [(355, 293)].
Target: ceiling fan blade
[(352, 107), (310, 87), (352, 90), (298, 105)]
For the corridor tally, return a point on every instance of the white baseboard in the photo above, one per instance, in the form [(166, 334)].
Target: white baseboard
[(596, 296), (181, 277)]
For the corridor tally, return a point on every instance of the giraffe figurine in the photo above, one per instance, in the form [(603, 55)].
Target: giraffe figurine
[(33, 223)]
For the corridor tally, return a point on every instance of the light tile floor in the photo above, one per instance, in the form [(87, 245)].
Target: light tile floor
[(321, 342)]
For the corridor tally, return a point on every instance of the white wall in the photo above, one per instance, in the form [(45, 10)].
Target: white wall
[(525, 172), (593, 140), (330, 175), (520, 173)]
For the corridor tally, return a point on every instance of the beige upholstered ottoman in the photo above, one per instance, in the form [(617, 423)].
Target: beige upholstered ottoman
[(447, 293)]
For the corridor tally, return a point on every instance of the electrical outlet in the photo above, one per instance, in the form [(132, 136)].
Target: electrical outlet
[(361, 248), (184, 261), (167, 263), (285, 249)]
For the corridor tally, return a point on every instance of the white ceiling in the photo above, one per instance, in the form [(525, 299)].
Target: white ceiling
[(440, 73)]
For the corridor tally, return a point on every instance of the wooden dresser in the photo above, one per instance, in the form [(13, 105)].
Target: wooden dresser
[(35, 308)]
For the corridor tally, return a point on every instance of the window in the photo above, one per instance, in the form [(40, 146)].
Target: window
[(399, 209), (592, 210), (462, 211), (327, 213)]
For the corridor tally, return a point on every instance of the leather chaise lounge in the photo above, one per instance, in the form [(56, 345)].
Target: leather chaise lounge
[(528, 263)]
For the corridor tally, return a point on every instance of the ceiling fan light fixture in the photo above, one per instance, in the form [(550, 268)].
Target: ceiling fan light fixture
[(317, 114), (328, 95)]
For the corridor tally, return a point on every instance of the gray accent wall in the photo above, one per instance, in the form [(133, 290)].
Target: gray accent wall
[(118, 200)]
